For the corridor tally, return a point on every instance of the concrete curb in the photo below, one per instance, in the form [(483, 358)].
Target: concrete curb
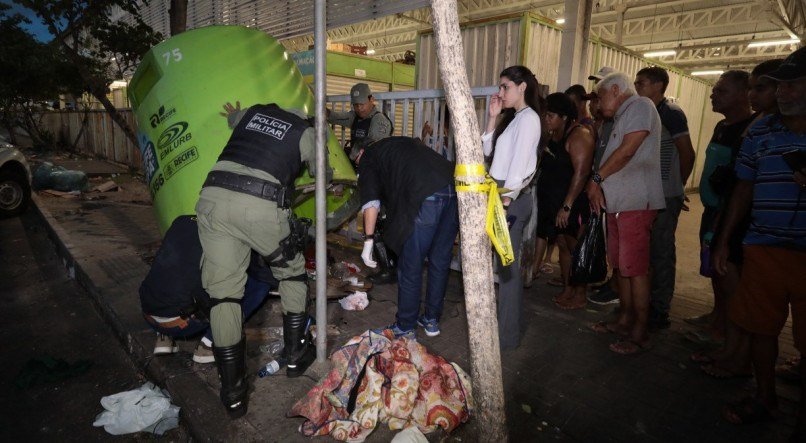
[(201, 413)]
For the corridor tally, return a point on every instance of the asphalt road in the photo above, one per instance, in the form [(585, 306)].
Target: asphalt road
[(43, 313)]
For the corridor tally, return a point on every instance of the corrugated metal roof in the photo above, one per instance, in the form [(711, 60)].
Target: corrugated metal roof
[(279, 18)]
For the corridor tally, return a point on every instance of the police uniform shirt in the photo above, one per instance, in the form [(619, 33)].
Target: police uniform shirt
[(307, 150), (380, 126)]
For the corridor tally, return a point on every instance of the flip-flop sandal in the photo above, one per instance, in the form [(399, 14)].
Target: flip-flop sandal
[(556, 281), (632, 347), (601, 327), (546, 268), (559, 297), (720, 373), (570, 307), (746, 411), (701, 357)]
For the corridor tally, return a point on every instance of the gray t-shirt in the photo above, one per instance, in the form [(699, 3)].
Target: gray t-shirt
[(637, 185), (674, 124)]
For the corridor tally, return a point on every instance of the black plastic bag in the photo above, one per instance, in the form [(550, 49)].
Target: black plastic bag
[(589, 261)]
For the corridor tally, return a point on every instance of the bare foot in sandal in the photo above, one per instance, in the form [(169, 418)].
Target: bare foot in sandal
[(604, 327), (572, 303), (564, 296), (630, 347)]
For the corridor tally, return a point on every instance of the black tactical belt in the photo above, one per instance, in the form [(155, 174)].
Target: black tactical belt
[(249, 185)]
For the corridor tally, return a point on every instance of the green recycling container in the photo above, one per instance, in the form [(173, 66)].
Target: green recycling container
[(177, 95)]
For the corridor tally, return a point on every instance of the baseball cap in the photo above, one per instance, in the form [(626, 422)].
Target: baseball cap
[(601, 73), (793, 67), (360, 93)]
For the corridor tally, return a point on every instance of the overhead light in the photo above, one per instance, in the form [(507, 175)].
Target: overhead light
[(370, 51), (773, 43), (663, 53), (707, 72), (559, 21)]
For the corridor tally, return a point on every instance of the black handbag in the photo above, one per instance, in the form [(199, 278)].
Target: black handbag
[(589, 260)]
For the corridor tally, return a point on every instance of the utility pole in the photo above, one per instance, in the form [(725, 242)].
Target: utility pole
[(477, 264)]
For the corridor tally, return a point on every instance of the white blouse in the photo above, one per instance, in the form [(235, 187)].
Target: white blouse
[(515, 157)]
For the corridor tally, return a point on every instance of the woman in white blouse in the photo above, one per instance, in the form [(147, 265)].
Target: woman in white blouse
[(512, 140)]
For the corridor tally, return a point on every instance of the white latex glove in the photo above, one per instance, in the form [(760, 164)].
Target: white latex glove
[(366, 254)]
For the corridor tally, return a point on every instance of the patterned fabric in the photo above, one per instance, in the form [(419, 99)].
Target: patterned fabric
[(403, 385)]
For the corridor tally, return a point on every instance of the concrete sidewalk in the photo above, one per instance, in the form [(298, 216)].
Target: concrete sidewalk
[(562, 383)]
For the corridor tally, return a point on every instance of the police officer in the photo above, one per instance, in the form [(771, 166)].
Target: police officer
[(244, 205), (368, 125)]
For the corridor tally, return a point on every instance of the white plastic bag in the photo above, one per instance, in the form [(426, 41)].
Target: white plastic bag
[(144, 409), (356, 301), (412, 434)]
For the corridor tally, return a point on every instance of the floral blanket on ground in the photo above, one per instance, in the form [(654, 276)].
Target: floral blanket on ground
[(379, 379)]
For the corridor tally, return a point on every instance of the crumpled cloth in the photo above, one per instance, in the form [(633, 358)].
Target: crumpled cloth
[(147, 408), (403, 386), (357, 301)]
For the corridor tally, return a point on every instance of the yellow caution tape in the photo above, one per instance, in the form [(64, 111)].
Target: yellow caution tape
[(496, 225)]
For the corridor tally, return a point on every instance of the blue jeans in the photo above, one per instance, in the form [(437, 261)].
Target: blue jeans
[(254, 293), (433, 235)]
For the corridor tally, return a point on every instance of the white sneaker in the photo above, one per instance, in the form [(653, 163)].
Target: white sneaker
[(203, 353), (165, 345)]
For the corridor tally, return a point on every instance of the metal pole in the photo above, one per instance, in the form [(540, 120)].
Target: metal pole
[(320, 45)]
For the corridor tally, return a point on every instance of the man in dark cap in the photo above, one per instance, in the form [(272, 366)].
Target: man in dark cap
[(367, 125)]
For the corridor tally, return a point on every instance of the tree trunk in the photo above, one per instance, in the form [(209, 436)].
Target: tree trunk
[(178, 13), (477, 270)]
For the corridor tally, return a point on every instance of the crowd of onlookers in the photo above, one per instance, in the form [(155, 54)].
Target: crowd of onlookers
[(622, 151)]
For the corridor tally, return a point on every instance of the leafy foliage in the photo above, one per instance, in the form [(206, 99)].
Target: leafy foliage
[(99, 48)]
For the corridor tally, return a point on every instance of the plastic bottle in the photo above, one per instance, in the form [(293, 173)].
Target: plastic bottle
[(272, 367)]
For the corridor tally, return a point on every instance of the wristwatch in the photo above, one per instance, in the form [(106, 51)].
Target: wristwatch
[(566, 208), (597, 178)]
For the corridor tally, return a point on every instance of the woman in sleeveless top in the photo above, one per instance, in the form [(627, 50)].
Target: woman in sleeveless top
[(562, 205)]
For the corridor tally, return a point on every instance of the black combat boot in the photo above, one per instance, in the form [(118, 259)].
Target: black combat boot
[(299, 348), (386, 261), (231, 362)]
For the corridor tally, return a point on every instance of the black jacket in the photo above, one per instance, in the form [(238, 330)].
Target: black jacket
[(401, 172), (174, 281)]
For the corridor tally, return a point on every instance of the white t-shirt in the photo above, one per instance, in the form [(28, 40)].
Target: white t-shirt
[(515, 157)]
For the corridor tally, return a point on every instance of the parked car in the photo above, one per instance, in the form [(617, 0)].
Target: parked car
[(15, 180)]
